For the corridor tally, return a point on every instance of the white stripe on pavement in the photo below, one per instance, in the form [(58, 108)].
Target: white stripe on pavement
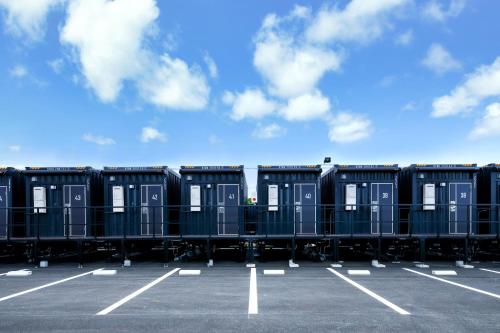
[(24, 269), (135, 293), (253, 305), (370, 293), (489, 270), (454, 283), (46, 285)]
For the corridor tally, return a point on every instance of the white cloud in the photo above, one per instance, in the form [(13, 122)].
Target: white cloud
[(98, 139), (306, 107), (290, 67), (410, 106), (489, 125), (251, 103), (56, 65), (270, 131), (15, 148), (19, 71), (439, 60), (212, 67), (108, 37), (172, 84), (484, 82), (27, 17), (405, 38), (347, 127), (292, 64), (214, 139), (149, 134), (360, 21), (435, 11)]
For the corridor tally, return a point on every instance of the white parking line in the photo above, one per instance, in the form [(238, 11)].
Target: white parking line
[(46, 285), (3, 274), (253, 305), (135, 293), (489, 270), (370, 293), (454, 283)]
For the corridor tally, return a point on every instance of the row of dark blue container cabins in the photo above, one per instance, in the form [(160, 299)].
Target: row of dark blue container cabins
[(352, 200)]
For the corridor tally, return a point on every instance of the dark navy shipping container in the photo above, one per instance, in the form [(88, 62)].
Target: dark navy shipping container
[(141, 201), (289, 200), (11, 203), (441, 198), (58, 202), (362, 199), (212, 198), (489, 199)]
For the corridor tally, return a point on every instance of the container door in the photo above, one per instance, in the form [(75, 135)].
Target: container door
[(497, 208), (460, 207), (382, 211), (228, 199), (75, 211), (3, 212), (305, 208), (152, 210)]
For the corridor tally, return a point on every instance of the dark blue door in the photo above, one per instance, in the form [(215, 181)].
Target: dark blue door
[(3, 212), (305, 208), (227, 209), (460, 207), (382, 211), (152, 210), (75, 215)]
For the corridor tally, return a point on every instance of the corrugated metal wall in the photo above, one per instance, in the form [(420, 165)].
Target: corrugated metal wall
[(368, 216), (451, 214), (281, 220), (131, 221), (208, 218), (56, 220)]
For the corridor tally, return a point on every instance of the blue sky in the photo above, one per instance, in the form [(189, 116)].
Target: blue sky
[(127, 82)]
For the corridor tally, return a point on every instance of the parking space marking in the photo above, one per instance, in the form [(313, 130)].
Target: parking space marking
[(370, 293), (253, 305), (47, 285), (454, 283), (135, 293), (274, 272), (489, 270), (4, 274)]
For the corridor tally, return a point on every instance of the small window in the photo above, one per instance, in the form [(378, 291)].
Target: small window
[(118, 199), (350, 197), (39, 199), (195, 198), (429, 197), (273, 198)]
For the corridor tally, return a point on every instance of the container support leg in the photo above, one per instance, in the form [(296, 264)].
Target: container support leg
[(209, 250), (293, 249), (34, 253), (379, 248), (80, 254), (335, 249), (250, 252), (422, 249), (466, 250), (123, 250), (166, 244)]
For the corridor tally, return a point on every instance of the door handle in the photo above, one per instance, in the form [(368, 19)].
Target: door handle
[(221, 210), (453, 208)]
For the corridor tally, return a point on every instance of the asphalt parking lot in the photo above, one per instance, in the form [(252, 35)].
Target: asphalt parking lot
[(230, 297)]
